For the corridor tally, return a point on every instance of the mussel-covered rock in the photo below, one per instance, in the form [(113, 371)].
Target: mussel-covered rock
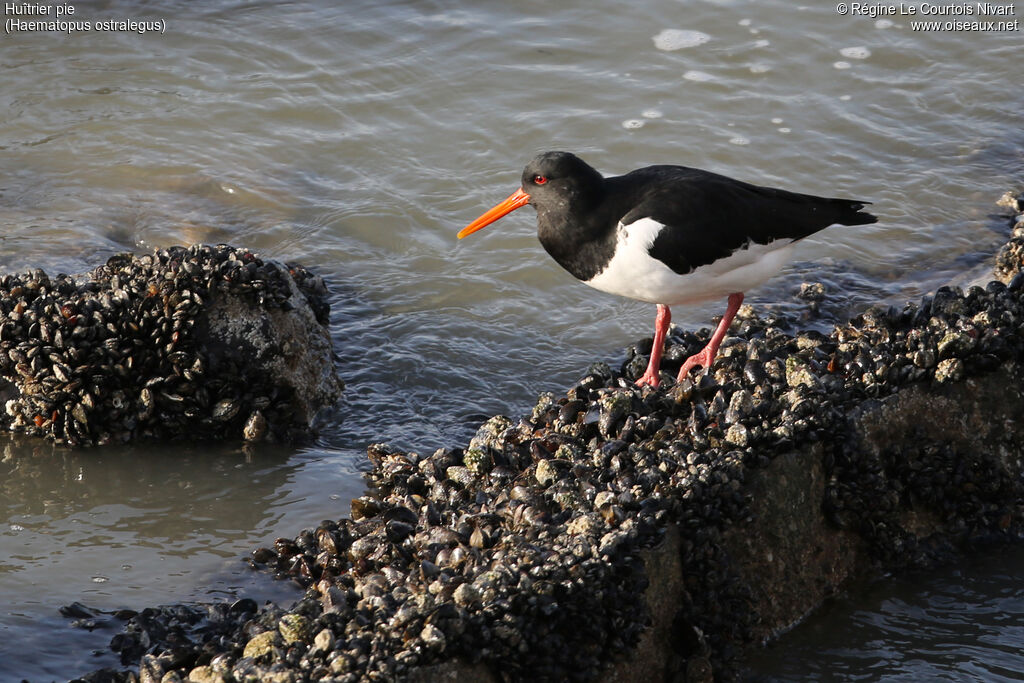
[(202, 342), (796, 461)]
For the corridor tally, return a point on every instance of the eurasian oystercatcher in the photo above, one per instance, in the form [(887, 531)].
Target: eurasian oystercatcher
[(667, 234)]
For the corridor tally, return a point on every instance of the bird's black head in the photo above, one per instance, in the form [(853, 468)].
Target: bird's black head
[(555, 183), (559, 181)]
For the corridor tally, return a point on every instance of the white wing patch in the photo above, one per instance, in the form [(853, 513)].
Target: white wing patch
[(634, 273)]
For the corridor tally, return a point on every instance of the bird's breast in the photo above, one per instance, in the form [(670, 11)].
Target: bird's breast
[(634, 273)]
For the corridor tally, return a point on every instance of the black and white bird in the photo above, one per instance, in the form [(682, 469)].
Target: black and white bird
[(667, 234)]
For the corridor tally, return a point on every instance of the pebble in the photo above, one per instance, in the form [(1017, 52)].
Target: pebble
[(546, 473), (954, 344), (737, 435), (949, 370), (262, 645), (741, 405), (324, 641), (294, 628), (466, 595), (204, 674), (433, 638), (798, 371)]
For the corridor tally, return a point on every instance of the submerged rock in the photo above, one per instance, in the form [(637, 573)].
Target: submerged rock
[(199, 342)]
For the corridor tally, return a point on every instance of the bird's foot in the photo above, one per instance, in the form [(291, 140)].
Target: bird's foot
[(702, 359), (649, 378)]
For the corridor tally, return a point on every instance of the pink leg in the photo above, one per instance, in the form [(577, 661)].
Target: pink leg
[(661, 322), (706, 356)]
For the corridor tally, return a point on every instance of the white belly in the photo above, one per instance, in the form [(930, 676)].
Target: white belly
[(634, 273)]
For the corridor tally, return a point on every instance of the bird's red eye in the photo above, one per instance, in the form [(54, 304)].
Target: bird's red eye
[(539, 180)]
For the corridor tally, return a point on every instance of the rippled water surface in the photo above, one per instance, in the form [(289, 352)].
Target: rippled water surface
[(961, 623), (357, 138)]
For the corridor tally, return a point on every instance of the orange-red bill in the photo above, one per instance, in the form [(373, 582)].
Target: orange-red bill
[(516, 200)]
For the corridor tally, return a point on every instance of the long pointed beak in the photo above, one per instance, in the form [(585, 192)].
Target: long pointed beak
[(516, 200)]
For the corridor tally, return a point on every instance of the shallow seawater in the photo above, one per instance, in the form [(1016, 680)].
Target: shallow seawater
[(963, 622), (357, 138)]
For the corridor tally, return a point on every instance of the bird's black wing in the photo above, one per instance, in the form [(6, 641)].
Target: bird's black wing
[(710, 216)]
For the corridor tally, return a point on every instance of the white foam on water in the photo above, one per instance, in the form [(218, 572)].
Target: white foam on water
[(842, 65), (744, 22), (676, 39), (739, 140), (777, 120), (785, 130), (632, 124), (764, 42), (884, 23), (452, 19), (699, 76), (760, 68), (856, 52), (845, 98), (651, 114)]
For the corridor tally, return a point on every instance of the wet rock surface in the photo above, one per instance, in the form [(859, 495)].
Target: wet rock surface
[(203, 342), (618, 533)]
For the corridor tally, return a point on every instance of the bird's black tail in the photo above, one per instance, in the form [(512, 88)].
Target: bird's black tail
[(850, 212)]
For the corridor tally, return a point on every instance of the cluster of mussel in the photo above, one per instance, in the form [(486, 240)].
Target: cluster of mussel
[(116, 354), (1011, 255), (522, 550)]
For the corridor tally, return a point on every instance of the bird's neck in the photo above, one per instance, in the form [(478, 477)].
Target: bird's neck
[(580, 238)]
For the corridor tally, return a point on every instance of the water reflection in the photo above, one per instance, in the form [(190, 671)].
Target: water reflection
[(141, 525)]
